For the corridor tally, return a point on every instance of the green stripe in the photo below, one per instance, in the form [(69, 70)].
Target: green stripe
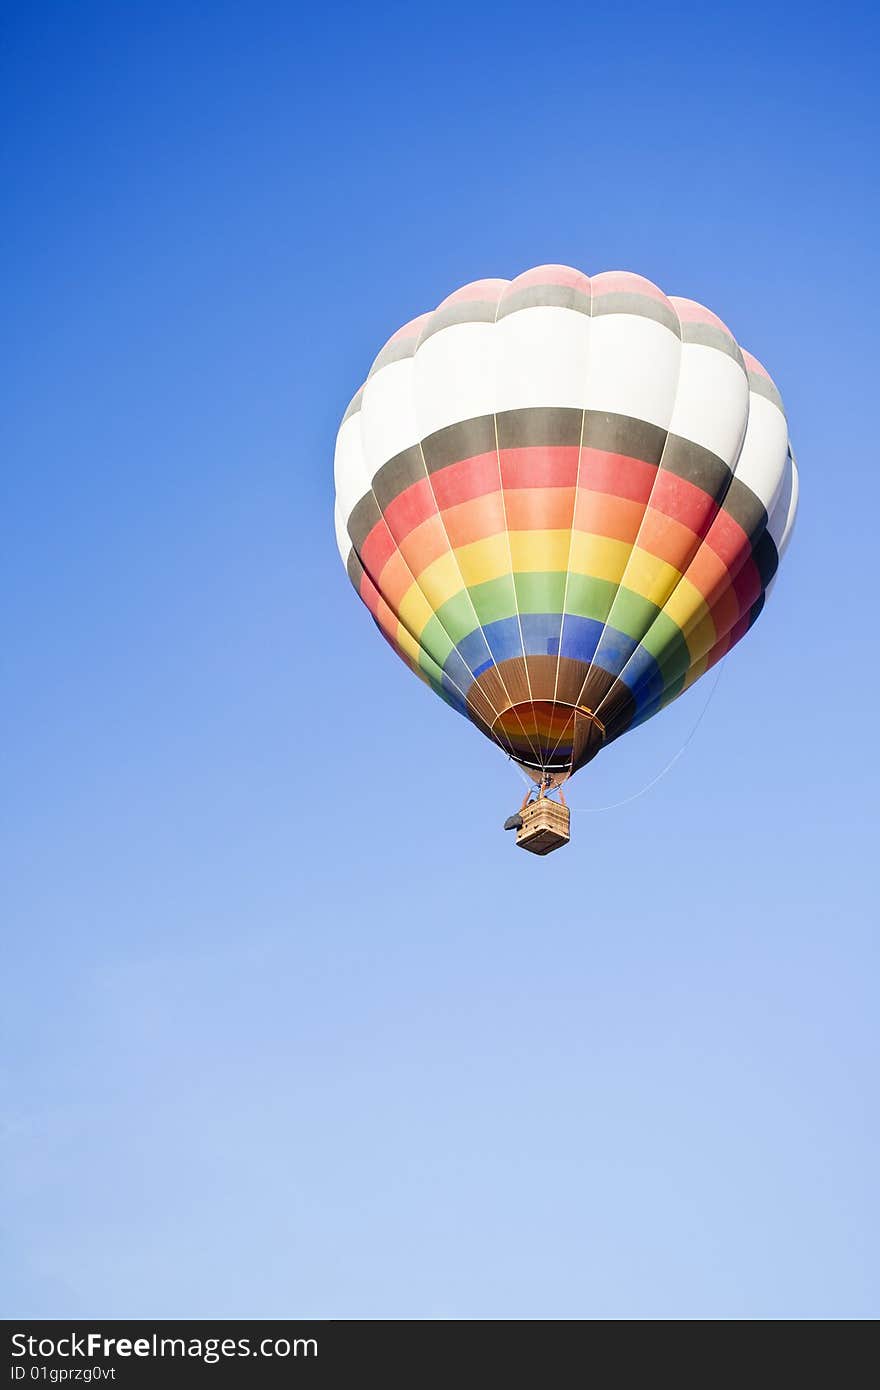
[(542, 591), (589, 598)]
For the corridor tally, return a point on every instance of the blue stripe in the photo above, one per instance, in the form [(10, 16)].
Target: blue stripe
[(539, 633)]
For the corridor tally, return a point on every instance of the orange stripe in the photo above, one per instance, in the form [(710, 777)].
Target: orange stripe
[(668, 539), (474, 520), (600, 514), (539, 508), (395, 580)]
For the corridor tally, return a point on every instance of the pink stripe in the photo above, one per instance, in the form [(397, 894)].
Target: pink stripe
[(490, 290), (755, 366), (625, 282), (409, 330), (551, 275), (689, 311)]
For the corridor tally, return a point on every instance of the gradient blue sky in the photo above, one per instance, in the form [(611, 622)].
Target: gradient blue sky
[(259, 1059)]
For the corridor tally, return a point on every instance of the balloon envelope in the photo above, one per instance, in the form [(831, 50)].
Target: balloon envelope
[(563, 499)]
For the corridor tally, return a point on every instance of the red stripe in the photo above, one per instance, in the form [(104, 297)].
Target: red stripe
[(617, 475), (683, 501), (410, 508), (459, 482), (728, 539), (370, 595), (377, 549), (540, 466), (747, 586)]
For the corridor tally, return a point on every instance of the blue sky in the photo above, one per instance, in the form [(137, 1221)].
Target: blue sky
[(261, 1058)]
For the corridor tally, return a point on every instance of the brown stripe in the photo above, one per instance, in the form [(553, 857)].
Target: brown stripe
[(505, 685), (488, 692), (542, 675), (572, 675), (589, 739)]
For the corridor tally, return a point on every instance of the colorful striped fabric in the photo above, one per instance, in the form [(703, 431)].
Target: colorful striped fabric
[(563, 498)]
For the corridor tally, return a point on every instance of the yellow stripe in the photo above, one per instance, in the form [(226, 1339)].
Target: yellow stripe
[(598, 557), (408, 643), (651, 577), (534, 552), (484, 560), (415, 610), (698, 669), (702, 637), (686, 606), (441, 580)]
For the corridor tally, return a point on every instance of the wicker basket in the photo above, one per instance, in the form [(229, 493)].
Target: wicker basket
[(545, 826)]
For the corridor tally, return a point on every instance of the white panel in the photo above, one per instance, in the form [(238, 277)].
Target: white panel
[(543, 357), (712, 403), (349, 466), (785, 509), (762, 463), (343, 541), (455, 375), (792, 510), (783, 518), (633, 367), (388, 415)]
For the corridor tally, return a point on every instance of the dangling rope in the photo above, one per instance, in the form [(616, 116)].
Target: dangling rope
[(615, 805)]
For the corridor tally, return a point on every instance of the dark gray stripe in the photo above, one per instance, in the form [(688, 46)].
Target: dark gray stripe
[(547, 425), (555, 427), (353, 408), (746, 508), (643, 305), (395, 351), (766, 557), (707, 335), (355, 569), (545, 296), (399, 473), (363, 518), (550, 426), (463, 440), (623, 434), (464, 311), (764, 387), (696, 465)]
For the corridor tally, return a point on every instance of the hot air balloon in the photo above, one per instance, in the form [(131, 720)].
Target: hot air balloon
[(563, 499)]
